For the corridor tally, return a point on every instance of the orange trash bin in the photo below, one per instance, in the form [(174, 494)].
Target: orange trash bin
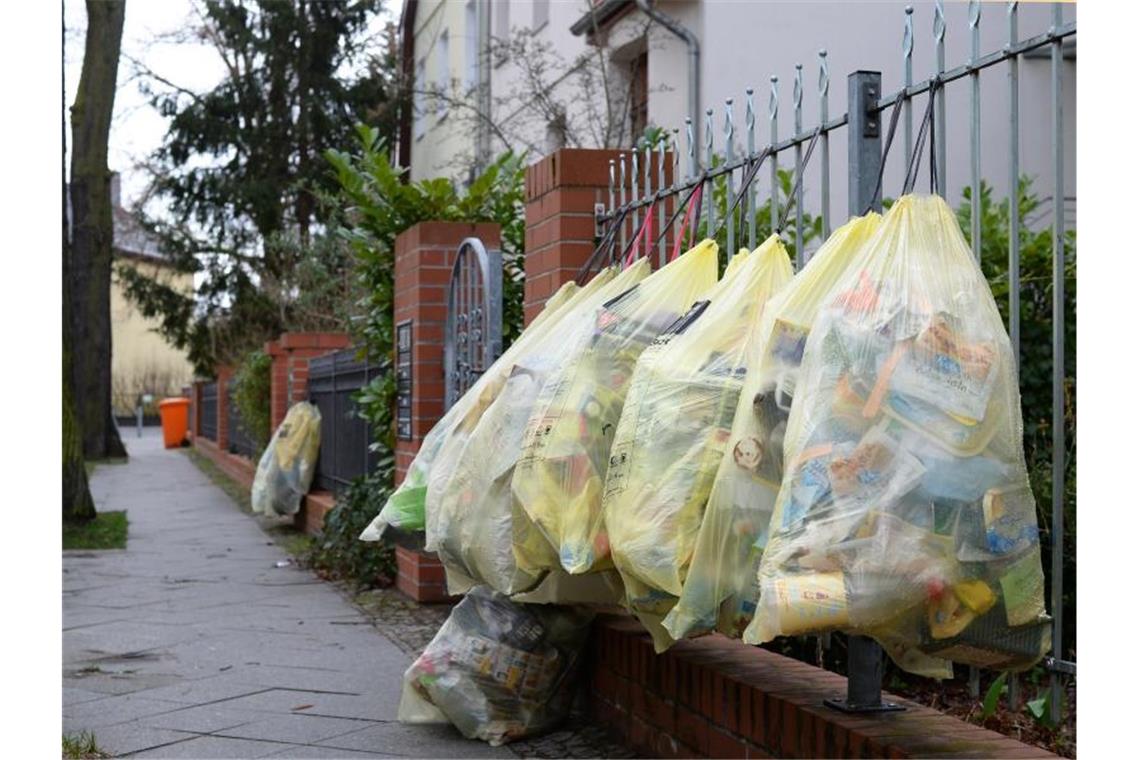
[(175, 413)]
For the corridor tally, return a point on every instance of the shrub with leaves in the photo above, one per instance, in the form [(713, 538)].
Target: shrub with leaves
[(336, 553), (377, 205), (251, 395)]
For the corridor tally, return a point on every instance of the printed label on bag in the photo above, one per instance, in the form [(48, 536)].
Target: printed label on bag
[(945, 370)]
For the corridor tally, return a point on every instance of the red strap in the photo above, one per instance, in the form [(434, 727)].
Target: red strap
[(645, 232), (694, 201)]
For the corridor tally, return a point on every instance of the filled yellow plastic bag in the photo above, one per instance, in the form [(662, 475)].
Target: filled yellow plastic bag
[(286, 468), (558, 480), (905, 511), (720, 587), (469, 516), (405, 507), (674, 428)]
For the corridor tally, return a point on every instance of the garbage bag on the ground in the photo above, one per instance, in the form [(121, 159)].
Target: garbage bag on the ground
[(470, 520), (905, 511), (559, 478), (720, 587), (286, 468), (498, 670), (405, 507), (673, 430)]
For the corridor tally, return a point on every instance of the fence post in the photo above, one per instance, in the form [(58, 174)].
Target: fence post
[(864, 152)]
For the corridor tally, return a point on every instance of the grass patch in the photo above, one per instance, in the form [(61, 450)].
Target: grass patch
[(107, 531), (81, 747), (220, 479)]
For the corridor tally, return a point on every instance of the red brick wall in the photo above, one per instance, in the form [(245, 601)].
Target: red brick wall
[(425, 254), (717, 697), (420, 575), (561, 191), (289, 376)]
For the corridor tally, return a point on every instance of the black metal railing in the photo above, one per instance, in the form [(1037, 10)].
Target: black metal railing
[(345, 453), (210, 411), (241, 442)]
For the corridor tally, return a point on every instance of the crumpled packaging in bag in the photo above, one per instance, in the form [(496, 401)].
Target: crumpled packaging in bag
[(498, 670), (470, 520), (720, 588), (566, 451), (405, 507), (673, 430), (905, 511), (288, 463)]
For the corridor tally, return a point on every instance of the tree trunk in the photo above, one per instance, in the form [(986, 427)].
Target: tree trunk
[(92, 235), (77, 503)]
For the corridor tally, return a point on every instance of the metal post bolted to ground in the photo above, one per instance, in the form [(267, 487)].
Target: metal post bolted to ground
[(864, 152)]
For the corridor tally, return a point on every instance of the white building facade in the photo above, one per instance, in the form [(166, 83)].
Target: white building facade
[(739, 45)]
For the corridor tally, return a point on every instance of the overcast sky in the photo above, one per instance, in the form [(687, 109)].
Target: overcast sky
[(137, 128)]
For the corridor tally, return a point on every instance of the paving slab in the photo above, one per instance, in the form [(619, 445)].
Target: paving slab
[(192, 642)]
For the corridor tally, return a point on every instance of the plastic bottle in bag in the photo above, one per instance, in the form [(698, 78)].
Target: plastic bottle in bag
[(905, 511), (720, 587), (404, 509), (559, 478), (498, 670), (674, 429), (470, 519)]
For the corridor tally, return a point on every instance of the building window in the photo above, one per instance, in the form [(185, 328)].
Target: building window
[(471, 48), (419, 112), (442, 72), (541, 14), (638, 95)]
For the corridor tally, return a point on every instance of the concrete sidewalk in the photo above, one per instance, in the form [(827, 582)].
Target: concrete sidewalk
[(191, 642)]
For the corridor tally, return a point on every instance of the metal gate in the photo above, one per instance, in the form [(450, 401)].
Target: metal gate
[(473, 338)]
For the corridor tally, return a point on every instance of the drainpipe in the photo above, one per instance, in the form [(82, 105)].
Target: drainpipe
[(483, 130), (690, 39)]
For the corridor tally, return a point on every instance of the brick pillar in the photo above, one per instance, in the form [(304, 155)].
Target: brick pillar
[(561, 192), (278, 383), (425, 254), (289, 375), (224, 373)]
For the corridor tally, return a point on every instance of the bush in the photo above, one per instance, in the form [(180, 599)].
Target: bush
[(338, 553), (252, 396)]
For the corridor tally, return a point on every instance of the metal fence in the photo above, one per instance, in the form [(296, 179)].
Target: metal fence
[(473, 337), (645, 212), (240, 440), (345, 452), (209, 411)]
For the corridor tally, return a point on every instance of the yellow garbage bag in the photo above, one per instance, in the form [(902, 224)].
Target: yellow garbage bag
[(558, 480), (720, 587), (905, 511), (674, 428), (285, 470), (405, 507), (470, 520)]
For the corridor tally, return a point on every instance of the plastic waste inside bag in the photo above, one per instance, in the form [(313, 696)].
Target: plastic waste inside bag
[(470, 520), (498, 670), (905, 511), (720, 588), (286, 468), (673, 431), (559, 479), (405, 507)]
